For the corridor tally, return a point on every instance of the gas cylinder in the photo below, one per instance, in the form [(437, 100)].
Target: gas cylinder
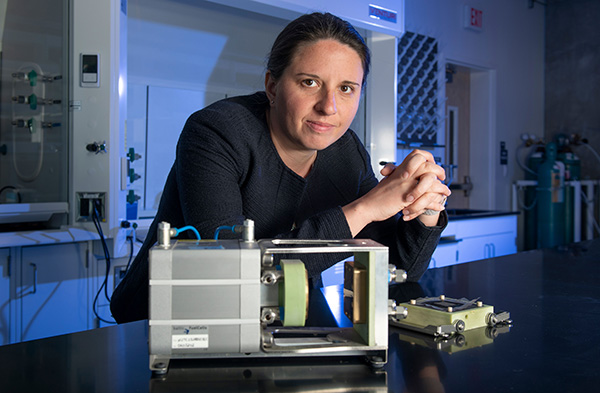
[(535, 158), (572, 172), (550, 200)]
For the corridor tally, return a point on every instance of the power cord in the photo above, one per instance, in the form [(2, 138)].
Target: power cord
[(96, 220), (15, 189), (130, 238), (127, 224)]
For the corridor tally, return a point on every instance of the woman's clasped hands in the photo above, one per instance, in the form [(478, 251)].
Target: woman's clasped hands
[(419, 182), (414, 187)]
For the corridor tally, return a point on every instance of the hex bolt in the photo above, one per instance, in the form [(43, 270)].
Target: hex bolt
[(268, 316), (268, 278), (268, 260), (396, 275)]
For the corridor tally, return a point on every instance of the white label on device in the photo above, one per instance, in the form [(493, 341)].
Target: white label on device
[(190, 341), (189, 337)]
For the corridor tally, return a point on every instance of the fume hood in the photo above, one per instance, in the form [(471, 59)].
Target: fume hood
[(87, 87)]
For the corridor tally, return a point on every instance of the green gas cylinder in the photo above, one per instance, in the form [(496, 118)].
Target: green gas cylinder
[(572, 172), (550, 200), (535, 158)]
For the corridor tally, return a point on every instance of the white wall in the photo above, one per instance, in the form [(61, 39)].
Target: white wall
[(511, 45)]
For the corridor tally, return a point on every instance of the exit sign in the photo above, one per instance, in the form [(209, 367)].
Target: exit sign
[(473, 18)]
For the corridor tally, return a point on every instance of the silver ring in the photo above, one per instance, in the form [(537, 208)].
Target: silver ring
[(431, 212)]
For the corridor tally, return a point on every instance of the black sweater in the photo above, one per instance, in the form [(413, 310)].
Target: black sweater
[(228, 169)]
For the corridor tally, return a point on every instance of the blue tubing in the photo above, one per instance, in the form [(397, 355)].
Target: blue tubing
[(190, 228), (231, 228)]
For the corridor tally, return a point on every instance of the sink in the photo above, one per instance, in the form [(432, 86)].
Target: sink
[(465, 212), (460, 214)]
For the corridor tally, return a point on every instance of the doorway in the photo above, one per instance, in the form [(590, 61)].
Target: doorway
[(470, 132)]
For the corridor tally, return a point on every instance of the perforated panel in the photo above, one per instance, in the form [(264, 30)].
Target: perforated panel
[(419, 80)]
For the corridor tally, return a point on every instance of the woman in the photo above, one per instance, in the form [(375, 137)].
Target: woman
[(286, 159)]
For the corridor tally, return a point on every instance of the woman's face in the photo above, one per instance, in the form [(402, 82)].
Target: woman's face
[(316, 97)]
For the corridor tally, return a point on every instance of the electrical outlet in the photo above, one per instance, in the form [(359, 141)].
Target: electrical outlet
[(119, 275), (87, 201)]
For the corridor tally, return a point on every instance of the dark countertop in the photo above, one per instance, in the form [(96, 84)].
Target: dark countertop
[(553, 297), (554, 300)]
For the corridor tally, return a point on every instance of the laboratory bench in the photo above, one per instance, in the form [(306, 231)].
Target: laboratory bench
[(553, 297), (475, 234)]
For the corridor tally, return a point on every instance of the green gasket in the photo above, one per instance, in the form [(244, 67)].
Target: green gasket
[(294, 289)]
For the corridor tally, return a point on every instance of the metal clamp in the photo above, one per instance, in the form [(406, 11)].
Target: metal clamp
[(501, 318)]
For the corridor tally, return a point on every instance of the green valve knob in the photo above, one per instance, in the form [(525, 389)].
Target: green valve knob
[(32, 102), (131, 197), (32, 76), (132, 155), (31, 125), (133, 176)]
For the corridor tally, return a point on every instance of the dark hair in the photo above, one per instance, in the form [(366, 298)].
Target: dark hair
[(310, 28)]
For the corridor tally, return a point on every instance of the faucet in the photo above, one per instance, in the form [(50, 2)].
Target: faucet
[(467, 186)]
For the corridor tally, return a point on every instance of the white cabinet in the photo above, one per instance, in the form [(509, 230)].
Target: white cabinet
[(5, 309), (488, 246), (445, 254), (49, 279), (53, 290), (470, 239)]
